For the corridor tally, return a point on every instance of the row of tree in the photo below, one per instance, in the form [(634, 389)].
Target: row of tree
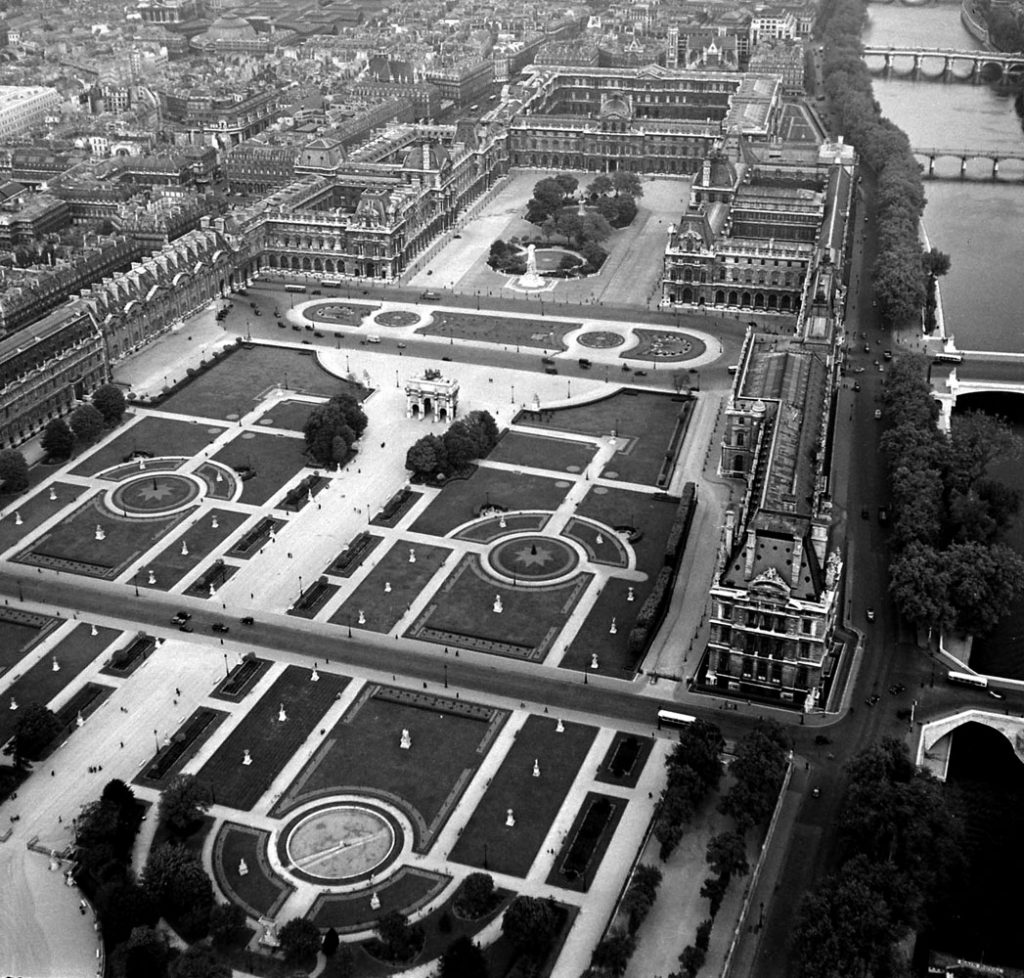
[(1005, 25), (899, 272), (85, 424), (948, 567), (469, 438), (553, 194), (901, 848)]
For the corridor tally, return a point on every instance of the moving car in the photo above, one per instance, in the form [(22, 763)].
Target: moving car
[(430, 296), (247, 620)]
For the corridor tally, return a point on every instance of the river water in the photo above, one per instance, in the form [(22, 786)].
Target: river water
[(978, 223)]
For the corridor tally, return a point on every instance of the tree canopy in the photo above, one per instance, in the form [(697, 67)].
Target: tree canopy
[(13, 471), (300, 939), (34, 732), (332, 428), (463, 959), (184, 802), (58, 440), (529, 922), (87, 423), (109, 400)]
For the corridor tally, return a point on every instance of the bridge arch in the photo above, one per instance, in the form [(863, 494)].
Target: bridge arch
[(934, 743)]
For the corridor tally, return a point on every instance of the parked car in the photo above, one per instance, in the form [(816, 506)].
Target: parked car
[(219, 626), (247, 620), (185, 627), (430, 296)]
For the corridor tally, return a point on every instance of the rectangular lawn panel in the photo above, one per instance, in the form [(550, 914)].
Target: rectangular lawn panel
[(40, 684), (235, 385), (462, 500), (406, 890), (594, 635), (541, 452), (155, 434), (462, 613), (36, 510), (486, 842), (201, 539), (287, 415), (450, 739), (271, 744), (584, 847), (71, 544), (274, 459), (644, 420), (260, 890), (185, 743), (384, 609), (546, 334), (19, 631)]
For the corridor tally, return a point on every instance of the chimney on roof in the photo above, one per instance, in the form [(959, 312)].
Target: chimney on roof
[(749, 553)]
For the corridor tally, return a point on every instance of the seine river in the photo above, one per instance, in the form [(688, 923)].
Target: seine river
[(978, 223)]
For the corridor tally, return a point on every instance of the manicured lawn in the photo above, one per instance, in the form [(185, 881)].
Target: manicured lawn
[(236, 384), (650, 512), (541, 333), (462, 613), (71, 545), (339, 313), (260, 891), (362, 751), (271, 744), (19, 631), (155, 434), (486, 842), (40, 684), (276, 460), (34, 511), (201, 539), (462, 500), (384, 609), (406, 890), (613, 656), (289, 415), (397, 317), (539, 452)]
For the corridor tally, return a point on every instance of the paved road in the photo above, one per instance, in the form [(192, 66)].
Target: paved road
[(602, 698)]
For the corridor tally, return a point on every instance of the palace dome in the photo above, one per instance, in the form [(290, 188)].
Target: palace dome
[(230, 27)]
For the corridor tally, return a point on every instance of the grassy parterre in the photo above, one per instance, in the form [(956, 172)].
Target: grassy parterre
[(236, 384), (405, 891), (271, 744), (461, 501), (487, 842), (260, 891), (71, 544), (274, 458), (287, 415), (34, 511), (544, 334), (665, 346), (530, 620), (154, 434), (362, 751), (40, 684), (540, 452), (384, 609), (594, 635), (18, 633), (201, 539)]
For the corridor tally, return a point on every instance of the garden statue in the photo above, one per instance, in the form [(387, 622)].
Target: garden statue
[(142, 463), (498, 609), (630, 594), (79, 720), (94, 631), (559, 727), (501, 522), (362, 617), (184, 548), (387, 587), (375, 901), (243, 868), (531, 280), (406, 742), (600, 539), (17, 518), (412, 555), (56, 664), (536, 768), (510, 819), (213, 590), (14, 703), (53, 493), (246, 757), (214, 522), (582, 210), (100, 535), (593, 662), (613, 630), (282, 717), (314, 676), (152, 576)]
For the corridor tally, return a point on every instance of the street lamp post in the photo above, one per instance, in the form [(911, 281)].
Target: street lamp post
[(156, 740), (227, 672), (445, 675)]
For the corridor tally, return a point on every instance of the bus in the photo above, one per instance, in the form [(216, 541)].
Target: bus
[(295, 288), (968, 679), (331, 283), (671, 719)]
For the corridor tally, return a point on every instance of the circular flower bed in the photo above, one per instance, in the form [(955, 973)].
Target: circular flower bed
[(600, 340), (397, 317)]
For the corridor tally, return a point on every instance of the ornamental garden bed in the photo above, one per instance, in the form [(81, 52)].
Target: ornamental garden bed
[(239, 682), (33, 511), (127, 659), (588, 839), (184, 744), (396, 507), (260, 891), (625, 760), (253, 540), (541, 333), (352, 557)]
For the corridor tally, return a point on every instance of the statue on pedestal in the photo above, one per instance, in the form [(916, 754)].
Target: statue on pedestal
[(406, 742)]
